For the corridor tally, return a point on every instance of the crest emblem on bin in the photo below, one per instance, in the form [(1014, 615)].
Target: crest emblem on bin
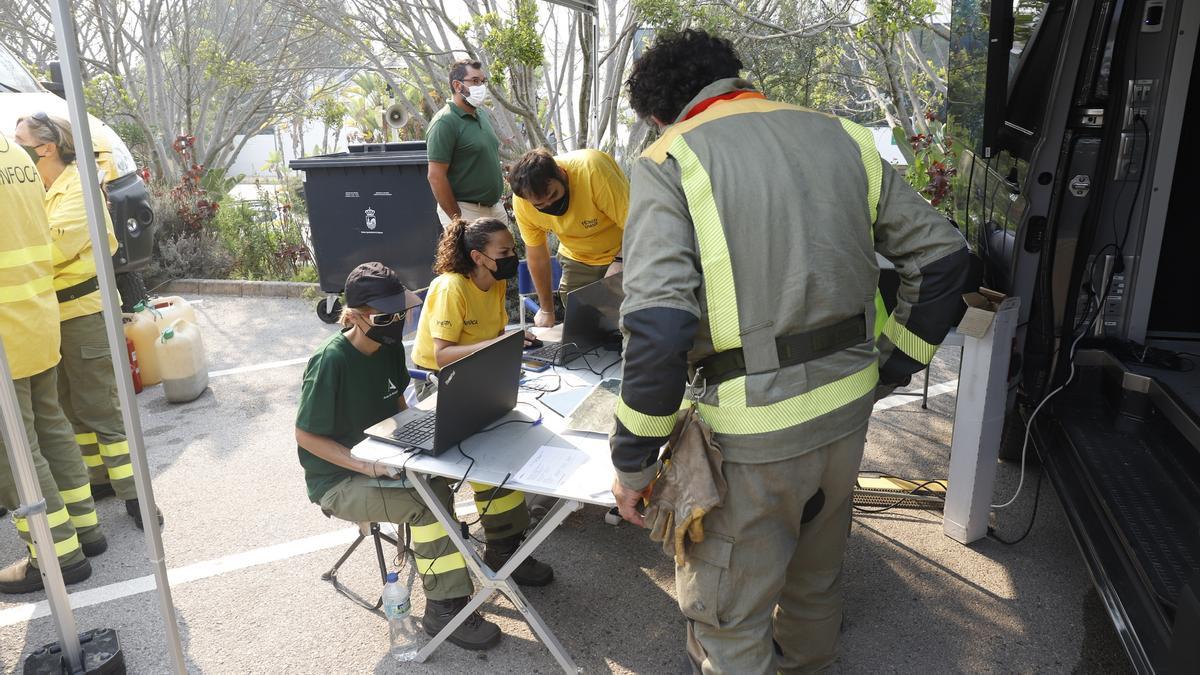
[(370, 215)]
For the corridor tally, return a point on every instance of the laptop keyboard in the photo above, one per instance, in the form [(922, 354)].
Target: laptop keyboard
[(418, 431), (550, 352)]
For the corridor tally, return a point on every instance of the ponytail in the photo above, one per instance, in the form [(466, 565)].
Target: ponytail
[(459, 239)]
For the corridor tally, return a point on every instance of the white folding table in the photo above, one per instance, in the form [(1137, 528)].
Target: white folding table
[(499, 455)]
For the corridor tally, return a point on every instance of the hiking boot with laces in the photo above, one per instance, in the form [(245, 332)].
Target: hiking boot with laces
[(530, 572), (476, 633)]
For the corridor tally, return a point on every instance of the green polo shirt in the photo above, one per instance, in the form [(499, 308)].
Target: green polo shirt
[(344, 392), (469, 144)]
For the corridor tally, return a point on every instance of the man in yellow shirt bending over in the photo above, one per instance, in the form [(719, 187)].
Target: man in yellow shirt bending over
[(583, 198)]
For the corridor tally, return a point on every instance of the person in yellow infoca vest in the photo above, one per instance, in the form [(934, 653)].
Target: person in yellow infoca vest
[(29, 328), (86, 383)]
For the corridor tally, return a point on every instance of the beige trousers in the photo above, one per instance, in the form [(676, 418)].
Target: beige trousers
[(771, 563), (472, 211)]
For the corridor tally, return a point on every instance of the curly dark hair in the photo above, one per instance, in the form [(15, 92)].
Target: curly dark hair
[(670, 74), (459, 239), (531, 175)]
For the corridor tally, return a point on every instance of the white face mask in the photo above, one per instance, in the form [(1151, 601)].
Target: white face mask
[(477, 95)]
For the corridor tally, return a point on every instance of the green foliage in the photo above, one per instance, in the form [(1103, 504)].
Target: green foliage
[(512, 42), (364, 100), (217, 183), (230, 73), (932, 165), (264, 241)]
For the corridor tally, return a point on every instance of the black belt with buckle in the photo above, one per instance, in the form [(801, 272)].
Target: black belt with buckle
[(78, 290), (793, 349)]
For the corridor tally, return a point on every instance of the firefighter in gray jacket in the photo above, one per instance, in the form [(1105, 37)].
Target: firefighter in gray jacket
[(750, 271)]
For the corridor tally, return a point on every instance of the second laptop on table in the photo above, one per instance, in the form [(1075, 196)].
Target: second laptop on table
[(592, 319)]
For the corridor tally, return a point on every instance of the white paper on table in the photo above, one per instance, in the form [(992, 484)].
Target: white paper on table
[(551, 467)]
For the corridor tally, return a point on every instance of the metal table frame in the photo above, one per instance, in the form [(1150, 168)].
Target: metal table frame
[(493, 581)]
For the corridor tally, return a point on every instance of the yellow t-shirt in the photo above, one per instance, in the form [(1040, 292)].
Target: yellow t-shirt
[(28, 307), (73, 259), (457, 311), (591, 229)]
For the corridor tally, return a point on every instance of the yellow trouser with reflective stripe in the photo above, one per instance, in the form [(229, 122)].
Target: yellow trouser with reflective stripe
[(37, 397), (87, 388)]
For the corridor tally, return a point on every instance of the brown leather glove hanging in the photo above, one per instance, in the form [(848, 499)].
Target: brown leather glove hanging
[(688, 486)]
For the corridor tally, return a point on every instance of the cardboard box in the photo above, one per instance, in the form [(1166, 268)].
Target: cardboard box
[(981, 311)]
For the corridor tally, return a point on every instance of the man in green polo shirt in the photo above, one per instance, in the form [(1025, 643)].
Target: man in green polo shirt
[(464, 151)]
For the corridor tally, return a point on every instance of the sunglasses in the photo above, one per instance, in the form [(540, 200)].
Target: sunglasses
[(43, 119), (381, 320)]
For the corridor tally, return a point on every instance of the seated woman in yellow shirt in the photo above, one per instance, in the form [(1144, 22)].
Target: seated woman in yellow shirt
[(463, 313)]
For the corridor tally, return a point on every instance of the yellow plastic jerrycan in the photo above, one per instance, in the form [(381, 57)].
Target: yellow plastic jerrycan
[(181, 358), (167, 309), (140, 327)]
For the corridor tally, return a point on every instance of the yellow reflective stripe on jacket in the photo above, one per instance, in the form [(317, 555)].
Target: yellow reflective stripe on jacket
[(714, 251), (61, 548), (57, 518), (446, 563), (872, 163), (909, 342), (880, 312), (25, 256), (738, 420), (425, 534), (641, 424), (27, 290)]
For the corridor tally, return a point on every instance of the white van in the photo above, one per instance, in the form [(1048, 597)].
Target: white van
[(128, 198)]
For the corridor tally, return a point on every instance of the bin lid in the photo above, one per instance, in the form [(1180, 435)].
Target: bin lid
[(361, 159)]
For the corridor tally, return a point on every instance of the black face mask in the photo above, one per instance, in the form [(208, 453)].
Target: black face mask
[(506, 267), (391, 334), (31, 150), (559, 207)]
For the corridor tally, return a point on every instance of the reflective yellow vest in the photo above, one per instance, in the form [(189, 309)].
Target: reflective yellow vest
[(28, 307)]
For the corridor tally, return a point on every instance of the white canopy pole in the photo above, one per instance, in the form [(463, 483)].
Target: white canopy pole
[(68, 50), (33, 509), (590, 8)]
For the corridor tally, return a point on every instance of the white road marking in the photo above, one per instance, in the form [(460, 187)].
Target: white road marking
[(182, 575), (258, 366), (896, 400), (197, 571)]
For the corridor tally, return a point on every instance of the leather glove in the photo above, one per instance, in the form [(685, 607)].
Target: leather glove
[(688, 486)]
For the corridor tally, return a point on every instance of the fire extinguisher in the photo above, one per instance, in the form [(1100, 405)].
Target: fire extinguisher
[(133, 366)]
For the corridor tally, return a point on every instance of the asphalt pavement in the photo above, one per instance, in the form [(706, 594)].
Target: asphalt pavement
[(246, 552)]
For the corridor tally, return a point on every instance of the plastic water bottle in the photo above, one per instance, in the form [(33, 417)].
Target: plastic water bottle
[(402, 627)]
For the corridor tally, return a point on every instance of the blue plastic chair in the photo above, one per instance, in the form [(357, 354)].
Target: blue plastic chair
[(525, 287)]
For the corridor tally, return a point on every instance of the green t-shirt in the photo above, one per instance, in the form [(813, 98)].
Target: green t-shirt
[(469, 144), (344, 392)]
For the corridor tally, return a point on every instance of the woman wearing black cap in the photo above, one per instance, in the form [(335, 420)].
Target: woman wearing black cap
[(353, 381)]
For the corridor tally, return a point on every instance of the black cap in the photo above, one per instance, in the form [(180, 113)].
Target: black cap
[(374, 284)]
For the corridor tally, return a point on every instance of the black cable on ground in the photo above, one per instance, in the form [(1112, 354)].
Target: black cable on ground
[(1037, 496)]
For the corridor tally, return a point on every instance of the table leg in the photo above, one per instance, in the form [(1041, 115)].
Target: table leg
[(493, 581)]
